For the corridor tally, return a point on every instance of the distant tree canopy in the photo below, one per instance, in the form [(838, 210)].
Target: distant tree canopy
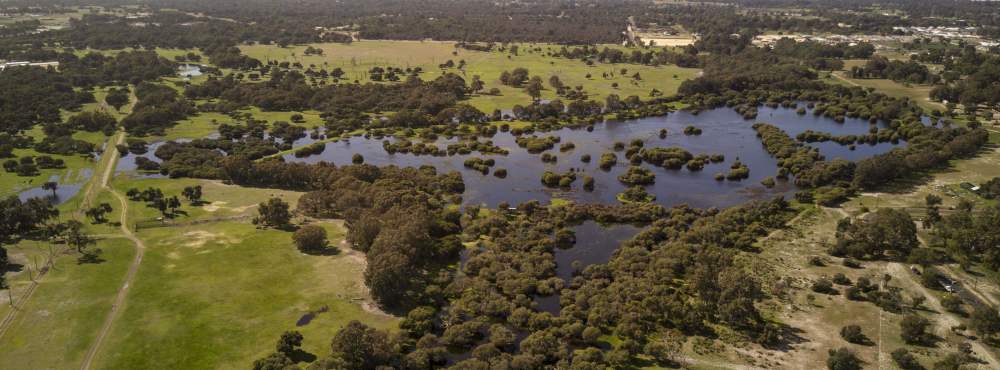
[(48, 91), (159, 107), (287, 90), (909, 71), (126, 67)]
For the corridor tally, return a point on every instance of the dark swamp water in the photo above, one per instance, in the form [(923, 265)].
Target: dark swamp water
[(724, 132)]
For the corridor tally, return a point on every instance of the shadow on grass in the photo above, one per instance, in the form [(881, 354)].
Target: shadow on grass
[(90, 257), (300, 356), (790, 336), (327, 251), (643, 363), (11, 267)]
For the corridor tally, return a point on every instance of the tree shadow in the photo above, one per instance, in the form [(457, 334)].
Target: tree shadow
[(300, 356), (643, 363), (924, 308), (327, 251), (11, 267), (90, 257), (865, 341), (911, 182), (790, 336), (929, 340)]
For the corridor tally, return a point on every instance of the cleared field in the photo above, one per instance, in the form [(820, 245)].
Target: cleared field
[(219, 295), (787, 253), (359, 57), (59, 322), (816, 319)]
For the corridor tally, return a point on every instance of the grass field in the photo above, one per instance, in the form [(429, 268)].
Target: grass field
[(358, 57), (219, 295), (62, 318)]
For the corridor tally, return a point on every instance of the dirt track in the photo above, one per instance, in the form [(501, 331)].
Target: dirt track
[(140, 249)]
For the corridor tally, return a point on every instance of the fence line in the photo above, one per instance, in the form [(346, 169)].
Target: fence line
[(151, 224)]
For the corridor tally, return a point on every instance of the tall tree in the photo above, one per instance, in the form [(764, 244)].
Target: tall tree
[(273, 213), (193, 194), (76, 237)]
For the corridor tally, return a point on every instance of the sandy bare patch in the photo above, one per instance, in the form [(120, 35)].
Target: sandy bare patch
[(243, 208), (214, 206), (220, 205), (663, 41), (371, 308), (198, 238)]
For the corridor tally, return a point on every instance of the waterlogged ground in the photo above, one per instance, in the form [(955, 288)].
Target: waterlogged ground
[(724, 132)]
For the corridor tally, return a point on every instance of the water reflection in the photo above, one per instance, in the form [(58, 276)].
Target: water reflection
[(724, 132)]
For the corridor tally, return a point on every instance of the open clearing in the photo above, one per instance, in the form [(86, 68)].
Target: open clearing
[(233, 289), (787, 253)]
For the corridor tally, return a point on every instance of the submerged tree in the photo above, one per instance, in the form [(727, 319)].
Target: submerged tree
[(51, 186)]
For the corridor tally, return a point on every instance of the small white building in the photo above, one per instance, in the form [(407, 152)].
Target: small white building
[(4, 66)]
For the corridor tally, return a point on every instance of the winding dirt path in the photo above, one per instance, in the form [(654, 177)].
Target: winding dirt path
[(140, 249)]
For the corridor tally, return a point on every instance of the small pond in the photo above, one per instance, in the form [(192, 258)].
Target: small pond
[(62, 193)]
